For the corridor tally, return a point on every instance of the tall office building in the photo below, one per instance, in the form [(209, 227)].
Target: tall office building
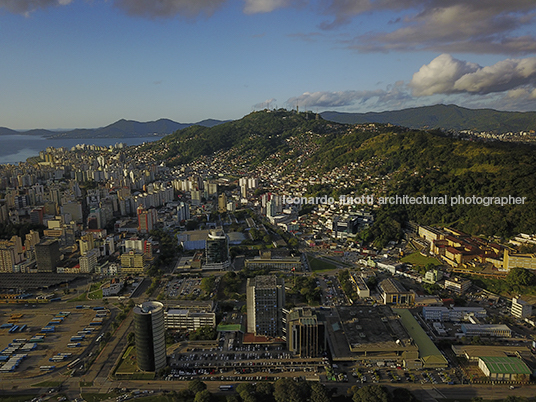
[(222, 203), (305, 333), (150, 336), (265, 302), (217, 249), (47, 255)]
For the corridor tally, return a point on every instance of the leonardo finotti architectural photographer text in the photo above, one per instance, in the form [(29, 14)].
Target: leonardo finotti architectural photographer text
[(407, 200)]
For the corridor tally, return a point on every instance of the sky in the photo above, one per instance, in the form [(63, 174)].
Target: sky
[(88, 63)]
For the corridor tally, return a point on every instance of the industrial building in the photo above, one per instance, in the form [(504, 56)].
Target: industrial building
[(438, 313), (495, 330), (281, 264), (504, 368)]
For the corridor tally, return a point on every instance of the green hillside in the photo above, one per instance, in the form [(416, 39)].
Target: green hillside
[(258, 135), (398, 160)]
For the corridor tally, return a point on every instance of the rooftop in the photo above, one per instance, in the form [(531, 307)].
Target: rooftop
[(505, 365)]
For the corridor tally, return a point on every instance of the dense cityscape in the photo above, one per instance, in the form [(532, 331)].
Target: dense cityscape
[(220, 279)]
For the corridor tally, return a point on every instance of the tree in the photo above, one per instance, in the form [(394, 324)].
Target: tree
[(288, 390), (203, 396), (512, 398), (264, 391), (207, 284), (520, 277), (205, 333), (319, 393), (185, 395), (196, 386), (403, 395), (245, 389), (372, 393)]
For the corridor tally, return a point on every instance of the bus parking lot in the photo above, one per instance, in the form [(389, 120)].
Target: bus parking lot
[(46, 338)]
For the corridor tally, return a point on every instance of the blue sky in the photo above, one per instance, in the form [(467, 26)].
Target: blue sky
[(89, 63)]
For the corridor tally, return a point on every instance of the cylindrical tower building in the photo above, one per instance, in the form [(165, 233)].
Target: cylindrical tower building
[(150, 336)]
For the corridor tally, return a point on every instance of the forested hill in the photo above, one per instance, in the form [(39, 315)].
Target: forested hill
[(445, 117), (373, 158), (259, 135)]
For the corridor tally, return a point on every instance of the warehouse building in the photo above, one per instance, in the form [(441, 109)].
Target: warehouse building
[(504, 368)]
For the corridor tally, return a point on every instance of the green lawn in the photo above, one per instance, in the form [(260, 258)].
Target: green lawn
[(81, 297), (93, 397), (317, 265), (49, 384), (419, 259), (16, 398), (97, 294)]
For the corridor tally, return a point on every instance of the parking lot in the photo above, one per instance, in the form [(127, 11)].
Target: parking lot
[(243, 363), (182, 288), (52, 337)]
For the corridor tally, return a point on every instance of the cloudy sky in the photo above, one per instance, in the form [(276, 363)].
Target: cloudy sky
[(88, 63)]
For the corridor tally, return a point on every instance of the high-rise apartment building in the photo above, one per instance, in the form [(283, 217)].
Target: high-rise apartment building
[(146, 219)]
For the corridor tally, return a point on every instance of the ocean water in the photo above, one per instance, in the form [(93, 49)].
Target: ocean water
[(17, 148)]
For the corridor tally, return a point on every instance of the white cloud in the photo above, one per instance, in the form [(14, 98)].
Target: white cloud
[(267, 104), (26, 7), (264, 6), (394, 96), (447, 75), (522, 94), (440, 75), (484, 26), (169, 8)]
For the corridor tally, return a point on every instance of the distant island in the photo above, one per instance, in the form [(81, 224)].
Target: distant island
[(120, 129)]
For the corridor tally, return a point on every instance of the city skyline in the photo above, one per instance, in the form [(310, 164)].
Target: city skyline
[(85, 64)]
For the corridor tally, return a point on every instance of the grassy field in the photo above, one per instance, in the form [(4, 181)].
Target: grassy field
[(92, 397), (317, 265), (97, 294), (419, 259), (16, 398), (49, 384)]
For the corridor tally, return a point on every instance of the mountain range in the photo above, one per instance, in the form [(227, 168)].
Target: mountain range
[(445, 117), (120, 129)]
